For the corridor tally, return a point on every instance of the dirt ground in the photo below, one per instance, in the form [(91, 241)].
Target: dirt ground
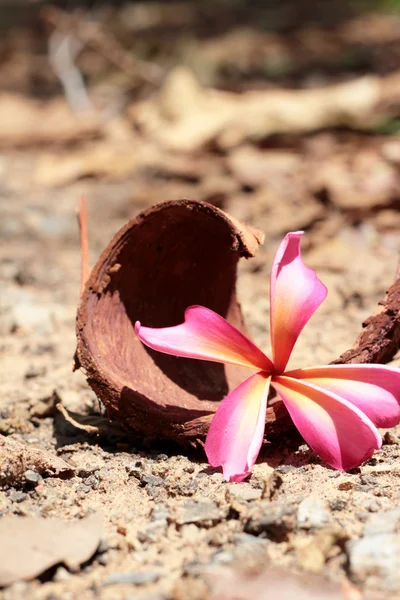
[(128, 106)]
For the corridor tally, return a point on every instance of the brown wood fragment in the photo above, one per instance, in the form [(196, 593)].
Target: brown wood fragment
[(171, 256), (379, 340)]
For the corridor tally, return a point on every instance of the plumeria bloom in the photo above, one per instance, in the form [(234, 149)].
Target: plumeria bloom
[(336, 408)]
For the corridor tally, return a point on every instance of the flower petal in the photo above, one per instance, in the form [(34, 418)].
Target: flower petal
[(374, 389), (205, 335), (335, 429), (296, 292), (237, 429)]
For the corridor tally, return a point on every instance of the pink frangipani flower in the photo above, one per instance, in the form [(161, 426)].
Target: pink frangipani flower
[(336, 408)]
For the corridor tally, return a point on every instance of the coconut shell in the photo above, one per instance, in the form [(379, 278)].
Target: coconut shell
[(169, 257)]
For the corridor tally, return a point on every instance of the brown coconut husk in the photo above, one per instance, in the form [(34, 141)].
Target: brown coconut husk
[(169, 257)]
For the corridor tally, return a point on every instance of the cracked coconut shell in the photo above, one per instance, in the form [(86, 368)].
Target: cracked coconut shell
[(169, 257)]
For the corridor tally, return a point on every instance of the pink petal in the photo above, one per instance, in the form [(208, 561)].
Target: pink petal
[(335, 429), (237, 429), (374, 389), (205, 335), (296, 292)]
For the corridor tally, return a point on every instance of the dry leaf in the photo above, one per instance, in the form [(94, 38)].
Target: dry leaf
[(103, 159), (112, 158), (29, 545), (362, 181), (185, 116), (255, 167), (25, 122)]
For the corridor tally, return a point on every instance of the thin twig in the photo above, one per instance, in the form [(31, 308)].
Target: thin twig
[(63, 50), (83, 232)]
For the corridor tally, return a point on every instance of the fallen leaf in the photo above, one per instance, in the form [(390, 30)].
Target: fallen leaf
[(26, 122), (29, 545), (185, 116), (98, 160), (114, 158), (255, 167), (356, 182)]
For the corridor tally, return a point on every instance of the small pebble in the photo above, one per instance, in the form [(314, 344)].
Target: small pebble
[(152, 532), (32, 477), (389, 438), (92, 481), (103, 559), (151, 480), (85, 489), (272, 519), (313, 513), (345, 486), (373, 507), (368, 480), (84, 472), (222, 558), (338, 504), (61, 574), (193, 569), (33, 372), (243, 492), (159, 513), (284, 469), (18, 496), (132, 578), (203, 513), (246, 538), (135, 469), (104, 546)]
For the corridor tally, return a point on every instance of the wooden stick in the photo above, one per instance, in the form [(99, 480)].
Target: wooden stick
[(83, 232)]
